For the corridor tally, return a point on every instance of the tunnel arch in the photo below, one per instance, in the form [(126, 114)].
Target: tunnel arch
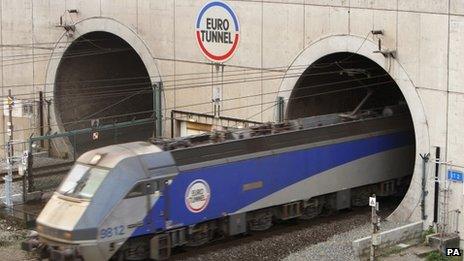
[(339, 82), (122, 56), (353, 45)]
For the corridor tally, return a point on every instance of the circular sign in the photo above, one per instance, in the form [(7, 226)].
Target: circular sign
[(197, 196), (217, 31)]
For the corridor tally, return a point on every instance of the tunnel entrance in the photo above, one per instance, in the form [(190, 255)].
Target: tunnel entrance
[(339, 83), (101, 77)]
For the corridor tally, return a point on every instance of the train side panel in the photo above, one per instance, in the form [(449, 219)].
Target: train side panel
[(245, 185)]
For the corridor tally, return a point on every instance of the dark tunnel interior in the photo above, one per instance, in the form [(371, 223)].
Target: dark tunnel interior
[(101, 76), (338, 83)]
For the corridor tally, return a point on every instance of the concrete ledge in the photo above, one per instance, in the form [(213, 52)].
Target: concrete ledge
[(389, 238), (442, 242)]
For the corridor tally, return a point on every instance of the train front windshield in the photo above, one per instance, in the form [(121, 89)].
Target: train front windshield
[(83, 181)]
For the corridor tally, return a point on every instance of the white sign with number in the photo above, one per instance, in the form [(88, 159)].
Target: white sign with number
[(372, 201)]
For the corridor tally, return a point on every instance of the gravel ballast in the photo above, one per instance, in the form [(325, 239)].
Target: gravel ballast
[(11, 237), (338, 247), (324, 238)]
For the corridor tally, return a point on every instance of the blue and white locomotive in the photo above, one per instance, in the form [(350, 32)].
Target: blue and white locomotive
[(139, 200)]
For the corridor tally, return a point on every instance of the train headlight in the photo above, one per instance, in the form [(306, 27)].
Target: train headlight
[(95, 159)]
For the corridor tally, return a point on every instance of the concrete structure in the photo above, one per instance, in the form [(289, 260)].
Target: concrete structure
[(138, 43), (410, 233)]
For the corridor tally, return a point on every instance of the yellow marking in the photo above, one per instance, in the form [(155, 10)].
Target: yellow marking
[(252, 185)]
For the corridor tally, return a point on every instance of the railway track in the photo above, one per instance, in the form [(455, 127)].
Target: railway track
[(283, 238)]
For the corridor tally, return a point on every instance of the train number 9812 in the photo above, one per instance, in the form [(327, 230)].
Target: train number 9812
[(112, 231)]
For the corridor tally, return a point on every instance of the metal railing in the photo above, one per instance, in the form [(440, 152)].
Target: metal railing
[(43, 161)]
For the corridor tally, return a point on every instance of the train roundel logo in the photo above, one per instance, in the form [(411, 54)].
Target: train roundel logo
[(217, 31), (197, 196)]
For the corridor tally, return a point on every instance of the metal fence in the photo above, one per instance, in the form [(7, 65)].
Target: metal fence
[(47, 159)]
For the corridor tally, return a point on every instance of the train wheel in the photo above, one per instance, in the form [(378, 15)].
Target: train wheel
[(312, 208), (160, 247), (118, 256), (260, 221)]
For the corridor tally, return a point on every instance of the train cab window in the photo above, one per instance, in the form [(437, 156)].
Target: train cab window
[(137, 191), (143, 188), (83, 181), (152, 187)]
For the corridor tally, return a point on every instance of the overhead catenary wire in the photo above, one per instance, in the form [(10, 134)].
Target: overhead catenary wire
[(53, 54), (249, 96), (178, 76), (33, 44), (115, 93), (79, 55), (61, 55), (205, 103), (378, 84), (244, 97), (186, 79), (277, 69), (178, 88), (260, 70), (235, 108), (175, 86)]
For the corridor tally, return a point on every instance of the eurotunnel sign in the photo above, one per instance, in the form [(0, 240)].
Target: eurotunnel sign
[(197, 196), (217, 31)]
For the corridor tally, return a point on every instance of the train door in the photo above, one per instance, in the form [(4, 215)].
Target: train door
[(160, 203), (157, 203), (137, 200), (160, 244), (166, 199), (138, 207)]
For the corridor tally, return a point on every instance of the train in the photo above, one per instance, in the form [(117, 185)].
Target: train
[(141, 200)]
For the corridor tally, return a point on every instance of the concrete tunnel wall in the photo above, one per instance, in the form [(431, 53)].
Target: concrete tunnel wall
[(426, 35)]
